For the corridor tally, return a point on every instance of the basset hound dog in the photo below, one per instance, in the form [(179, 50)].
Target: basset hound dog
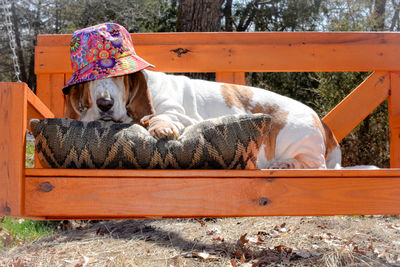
[(110, 82), (166, 104)]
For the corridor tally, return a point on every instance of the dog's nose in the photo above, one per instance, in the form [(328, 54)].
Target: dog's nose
[(105, 104)]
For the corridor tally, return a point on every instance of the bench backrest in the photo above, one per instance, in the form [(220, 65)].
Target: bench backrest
[(230, 55)]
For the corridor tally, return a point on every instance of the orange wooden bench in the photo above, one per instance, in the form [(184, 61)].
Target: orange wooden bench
[(72, 194)]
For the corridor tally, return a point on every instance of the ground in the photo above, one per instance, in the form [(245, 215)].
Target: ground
[(262, 241)]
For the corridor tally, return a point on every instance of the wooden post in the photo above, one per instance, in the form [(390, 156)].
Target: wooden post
[(394, 119), (50, 92), (13, 116), (231, 77)]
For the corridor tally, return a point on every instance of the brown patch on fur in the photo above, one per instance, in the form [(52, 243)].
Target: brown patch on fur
[(137, 97), (237, 95), (77, 99), (240, 97), (329, 139), (279, 118)]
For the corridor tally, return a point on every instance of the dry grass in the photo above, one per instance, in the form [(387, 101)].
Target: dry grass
[(272, 241)]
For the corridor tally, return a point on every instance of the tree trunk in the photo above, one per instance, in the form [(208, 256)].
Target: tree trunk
[(228, 16), (19, 52), (395, 18), (248, 15), (200, 16), (379, 15)]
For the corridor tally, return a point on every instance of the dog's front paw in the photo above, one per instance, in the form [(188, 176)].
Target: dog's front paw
[(163, 130)]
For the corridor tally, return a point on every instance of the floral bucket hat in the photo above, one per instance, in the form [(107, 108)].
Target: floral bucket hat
[(102, 51)]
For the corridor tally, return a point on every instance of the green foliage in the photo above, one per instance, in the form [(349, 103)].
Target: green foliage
[(14, 232), (280, 15), (136, 16), (30, 154)]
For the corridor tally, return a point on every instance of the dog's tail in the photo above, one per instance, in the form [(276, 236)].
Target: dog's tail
[(333, 154)]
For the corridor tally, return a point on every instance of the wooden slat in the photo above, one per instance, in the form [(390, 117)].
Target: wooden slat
[(273, 38), (227, 52), (212, 197), (231, 77), (49, 90), (13, 116), (121, 173), (358, 104), (36, 108), (394, 119)]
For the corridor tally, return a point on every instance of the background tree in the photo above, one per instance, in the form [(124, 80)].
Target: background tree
[(200, 16)]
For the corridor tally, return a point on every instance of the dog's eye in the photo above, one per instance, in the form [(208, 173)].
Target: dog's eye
[(82, 107)]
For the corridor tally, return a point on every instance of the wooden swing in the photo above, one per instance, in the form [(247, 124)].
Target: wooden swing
[(81, 194)]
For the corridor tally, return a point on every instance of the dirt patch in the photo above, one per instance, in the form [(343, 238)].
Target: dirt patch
[(272, 241)]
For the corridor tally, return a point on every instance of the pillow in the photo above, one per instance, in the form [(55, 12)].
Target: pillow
[(230, 142)]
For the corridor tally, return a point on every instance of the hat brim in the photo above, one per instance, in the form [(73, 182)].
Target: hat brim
[(107, 68)]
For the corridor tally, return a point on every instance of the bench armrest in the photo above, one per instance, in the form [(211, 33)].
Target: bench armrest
[(17, 104), (36, 108)]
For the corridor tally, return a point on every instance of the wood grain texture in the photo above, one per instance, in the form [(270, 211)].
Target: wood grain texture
[(231, 77), (36, 108), (49, 90), (227, 52), (93, 173), (273, 38), (13, 117), (343, 118), (210, 197), (394, 119)]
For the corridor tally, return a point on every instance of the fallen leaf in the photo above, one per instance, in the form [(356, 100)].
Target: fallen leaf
[(219, 239), (282, 248), (8, 239), (356, 249), (201, 222), (18, 263), (213, 231), (242, 259), (233, 263), (243, 239)]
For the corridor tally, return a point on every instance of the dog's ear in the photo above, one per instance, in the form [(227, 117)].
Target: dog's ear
[(77, 100), (139, 102)]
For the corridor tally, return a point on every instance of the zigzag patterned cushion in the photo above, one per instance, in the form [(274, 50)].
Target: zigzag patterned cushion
[(230, 142)]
